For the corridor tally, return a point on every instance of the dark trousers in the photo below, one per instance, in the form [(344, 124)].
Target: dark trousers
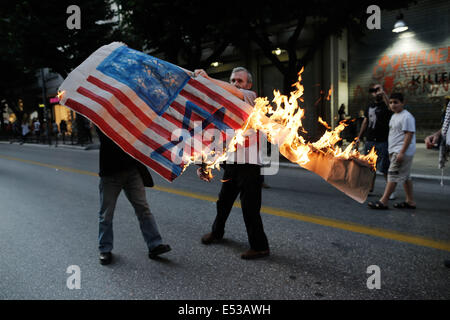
[(243, 179)]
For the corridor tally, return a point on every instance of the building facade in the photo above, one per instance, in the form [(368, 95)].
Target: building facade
[(415, 62)]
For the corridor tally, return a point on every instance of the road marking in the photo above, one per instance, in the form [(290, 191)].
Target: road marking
[(337, 224), (50, 166)]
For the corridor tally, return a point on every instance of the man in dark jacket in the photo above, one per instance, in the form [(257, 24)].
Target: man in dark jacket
[(118, 171)]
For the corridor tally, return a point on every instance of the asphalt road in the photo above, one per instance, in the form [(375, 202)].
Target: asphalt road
[(321, 241)]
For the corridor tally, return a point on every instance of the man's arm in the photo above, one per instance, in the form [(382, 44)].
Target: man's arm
[(386, 99), (363, 129), (433, 139), (225, 85)]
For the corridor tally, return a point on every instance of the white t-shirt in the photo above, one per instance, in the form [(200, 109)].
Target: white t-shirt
[(249, 152), (399, 123), (25, 129)]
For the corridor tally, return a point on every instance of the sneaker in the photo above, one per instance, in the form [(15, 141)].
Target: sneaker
[(210, 238), (162, 248), (105, 258), (253, 254), (393, 196)]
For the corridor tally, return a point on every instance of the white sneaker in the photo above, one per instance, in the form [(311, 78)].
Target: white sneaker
[(392, 196)]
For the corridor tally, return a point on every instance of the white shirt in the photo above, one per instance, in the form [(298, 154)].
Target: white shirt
[(25, 129), (249, 152), (399, 123)]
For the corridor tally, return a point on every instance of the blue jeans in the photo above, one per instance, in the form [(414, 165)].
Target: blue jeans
[(110, 187), (383, 155)]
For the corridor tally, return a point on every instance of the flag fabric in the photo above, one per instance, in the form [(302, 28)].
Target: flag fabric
[(138, 101)]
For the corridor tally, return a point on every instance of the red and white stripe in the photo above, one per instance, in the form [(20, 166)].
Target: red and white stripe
[(132, 124)]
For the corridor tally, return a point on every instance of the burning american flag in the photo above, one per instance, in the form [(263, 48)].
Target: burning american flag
[(140, 101)]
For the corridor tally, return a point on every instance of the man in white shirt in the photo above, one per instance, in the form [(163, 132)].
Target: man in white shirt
[(243, 177)]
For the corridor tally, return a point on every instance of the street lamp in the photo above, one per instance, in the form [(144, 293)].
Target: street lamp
[(277, 51), (400, 25)]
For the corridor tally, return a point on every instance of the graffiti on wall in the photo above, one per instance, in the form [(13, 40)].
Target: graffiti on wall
[(422, 75), (415, 73)]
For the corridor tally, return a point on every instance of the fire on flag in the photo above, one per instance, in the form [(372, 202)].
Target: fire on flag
[(140, 101)]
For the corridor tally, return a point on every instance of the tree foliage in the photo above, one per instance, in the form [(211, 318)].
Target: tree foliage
[(181, 29), (34, 35)]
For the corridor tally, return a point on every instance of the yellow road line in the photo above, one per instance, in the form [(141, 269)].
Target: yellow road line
[(50, 166), (337, 224)]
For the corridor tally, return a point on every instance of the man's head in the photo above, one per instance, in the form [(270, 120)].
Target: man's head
[(376, 91), (241, 78), (396, 102)]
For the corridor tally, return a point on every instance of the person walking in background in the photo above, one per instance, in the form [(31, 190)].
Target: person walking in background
[(375, 126), (37, 130), (15, 131), (55, 132), (25, 131), (63, 129), (44, 132), (402, 147), (88, 127)]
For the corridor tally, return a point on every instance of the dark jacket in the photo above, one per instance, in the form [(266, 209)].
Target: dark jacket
[(113, 159)]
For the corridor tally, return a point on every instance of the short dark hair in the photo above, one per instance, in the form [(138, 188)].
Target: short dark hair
[(397, 95), (372, 85)]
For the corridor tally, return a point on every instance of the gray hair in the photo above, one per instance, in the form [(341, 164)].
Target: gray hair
[(249, 75)]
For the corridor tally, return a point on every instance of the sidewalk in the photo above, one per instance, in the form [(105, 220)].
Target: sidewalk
[(91, 146), (425, 164)]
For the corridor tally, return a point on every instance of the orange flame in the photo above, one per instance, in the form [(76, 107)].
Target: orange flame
[(329, 93), (282, 126)]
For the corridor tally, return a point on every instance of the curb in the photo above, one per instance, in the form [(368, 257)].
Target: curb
[(413, 175), (96, 146), (93, 146)]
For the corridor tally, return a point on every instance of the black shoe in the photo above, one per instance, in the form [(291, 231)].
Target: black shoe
[(447, 263), (162, 248), (105, 258), (210, 238)]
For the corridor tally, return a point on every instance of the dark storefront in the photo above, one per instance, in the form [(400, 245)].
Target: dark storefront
[(415, 62)]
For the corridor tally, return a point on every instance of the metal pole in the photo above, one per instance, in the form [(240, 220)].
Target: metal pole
[(44, 98)]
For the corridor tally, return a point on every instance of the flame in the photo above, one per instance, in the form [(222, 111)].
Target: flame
[(283, 125), (329, 93)]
